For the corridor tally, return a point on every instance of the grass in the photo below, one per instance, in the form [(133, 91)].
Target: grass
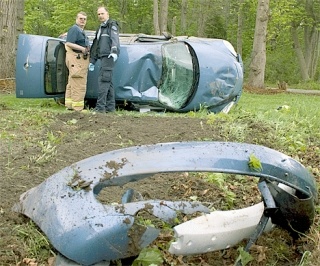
[(10, 101), (37, 245), (294, 118), (298, 117)]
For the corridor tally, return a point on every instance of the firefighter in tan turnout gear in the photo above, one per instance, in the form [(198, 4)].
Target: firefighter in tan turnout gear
[(77, 61)]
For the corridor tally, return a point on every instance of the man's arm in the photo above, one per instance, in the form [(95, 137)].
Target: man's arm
[(72, 38), (114, 35), (74, 46)]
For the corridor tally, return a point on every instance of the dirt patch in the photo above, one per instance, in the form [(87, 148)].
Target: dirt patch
[(267, 91), (280, 89)]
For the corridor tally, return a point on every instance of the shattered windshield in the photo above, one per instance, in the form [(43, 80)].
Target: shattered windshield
[(177, 75)]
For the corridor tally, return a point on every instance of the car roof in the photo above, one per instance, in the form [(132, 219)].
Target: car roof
[(90, 33)]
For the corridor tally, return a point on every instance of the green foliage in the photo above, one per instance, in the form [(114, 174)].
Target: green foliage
[(149, 257), (137, 17), (53, 17), (37, 244), (37, 14), (254, 163), (278, 61), (244, 257), (294, 125), (52, 138), (222, 182), (216, 28), (307, 85), (144, 222), (216, 178), (305, 259), (302, 17), (294, 142), (47, 152)]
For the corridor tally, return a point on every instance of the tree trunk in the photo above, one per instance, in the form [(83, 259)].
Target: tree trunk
[(173, 27), (164, 7), (156, 17), (184, 11), (315, 55), (299, 52), (123, 12), (311, 36), (202, 19), (258, 56), (240, 26), (307, 49), (11, 25)]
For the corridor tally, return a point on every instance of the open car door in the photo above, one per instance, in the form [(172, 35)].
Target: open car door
[(41, 71)]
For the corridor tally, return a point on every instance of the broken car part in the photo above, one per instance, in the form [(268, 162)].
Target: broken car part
[(84, 230), (217, 230)]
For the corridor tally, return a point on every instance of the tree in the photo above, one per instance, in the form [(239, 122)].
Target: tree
[(202, 20), (258, 55), (11, 24), (184, 12), (294, 39), (307, 49), (163, 23), (240, 26), (156, 17)]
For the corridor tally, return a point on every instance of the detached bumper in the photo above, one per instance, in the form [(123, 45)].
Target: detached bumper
[(84, 230)]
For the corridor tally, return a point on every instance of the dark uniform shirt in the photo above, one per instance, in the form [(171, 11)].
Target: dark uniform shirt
[(77, 35), (106, 40)]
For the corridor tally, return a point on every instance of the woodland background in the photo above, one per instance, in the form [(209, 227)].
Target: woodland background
[(277, 39)]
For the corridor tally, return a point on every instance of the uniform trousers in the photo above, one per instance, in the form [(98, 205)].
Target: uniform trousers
[(77, 80), (106, 94)]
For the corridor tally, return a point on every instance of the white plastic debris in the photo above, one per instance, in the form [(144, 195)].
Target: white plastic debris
[(217, 230), (227, 108)]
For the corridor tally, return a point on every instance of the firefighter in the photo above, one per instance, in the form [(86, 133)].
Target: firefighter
[(77, 61), (106, 47)]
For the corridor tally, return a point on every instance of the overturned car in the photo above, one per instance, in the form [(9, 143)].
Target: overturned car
[(177, 74)]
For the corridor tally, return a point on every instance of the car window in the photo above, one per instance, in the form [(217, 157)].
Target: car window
[(177, 75), (56, 73)]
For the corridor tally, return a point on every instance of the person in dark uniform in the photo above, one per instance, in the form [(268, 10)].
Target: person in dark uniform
[(77, 61), (106, 47)]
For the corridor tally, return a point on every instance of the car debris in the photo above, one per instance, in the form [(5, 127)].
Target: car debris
[(87, 232), (217, 230)]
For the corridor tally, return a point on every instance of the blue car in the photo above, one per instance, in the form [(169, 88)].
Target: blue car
[(178, 74)]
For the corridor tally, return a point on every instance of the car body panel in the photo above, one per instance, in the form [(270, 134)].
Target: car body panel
[(207, 74), (219, 81), (30, 67), (80, 227), (143, 61)]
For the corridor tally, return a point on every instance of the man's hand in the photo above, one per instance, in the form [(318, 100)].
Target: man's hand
[(115, 57)]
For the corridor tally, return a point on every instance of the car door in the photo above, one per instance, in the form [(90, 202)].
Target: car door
[(40, 67)]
